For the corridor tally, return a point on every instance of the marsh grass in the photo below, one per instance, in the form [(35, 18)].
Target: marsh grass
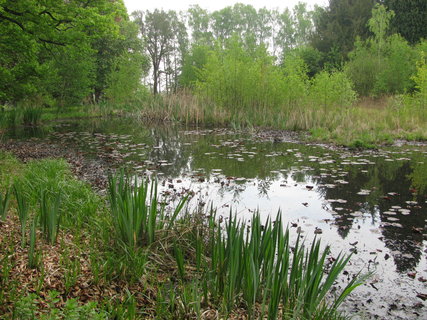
[(363, 122), (78, 202), (33, 256), (22, 209), (256, 264)]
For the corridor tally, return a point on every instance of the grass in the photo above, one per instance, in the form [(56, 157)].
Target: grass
[(4, 204), (367, 123), (31, 116), (138, 259)]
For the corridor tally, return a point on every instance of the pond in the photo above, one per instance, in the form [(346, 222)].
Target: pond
[(371, 203)]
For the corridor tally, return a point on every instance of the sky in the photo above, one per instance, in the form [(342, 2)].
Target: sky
[(212, 5)]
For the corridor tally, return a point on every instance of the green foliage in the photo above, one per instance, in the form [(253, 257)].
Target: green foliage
[(31, 116), (259, 266), (399, 61), (121, 65), (72, 74), (165, 37), (26, 307), (296, 81), (23, 209), (337, 26), (332, 90), (195, 60), (50, 51), (234, 80), (49, 215), (136, 211), (313, 59), (9, 166), (382, 64), (78, 202), (124, 82), (362, 68), (420, 79), (4, 204), (33, 257), (409, 19)]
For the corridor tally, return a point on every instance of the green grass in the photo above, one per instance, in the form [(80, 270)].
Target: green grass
[(4, 204), (22, 209), (31, 116), (258, 267), (78, 201)]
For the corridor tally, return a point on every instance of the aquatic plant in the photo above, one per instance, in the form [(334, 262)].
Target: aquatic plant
[(33, 256), (137, 214), (261, 268), (50, 215)]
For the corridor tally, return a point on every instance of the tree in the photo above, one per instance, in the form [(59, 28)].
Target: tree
[(123, 81), (48, 45), (199, 20), (381, 64), (338, 25), (165, 38), (410, 18)]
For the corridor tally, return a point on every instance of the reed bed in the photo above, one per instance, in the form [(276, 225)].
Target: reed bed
[(357, 125)]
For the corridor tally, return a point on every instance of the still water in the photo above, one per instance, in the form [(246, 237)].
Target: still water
[(370, 203)]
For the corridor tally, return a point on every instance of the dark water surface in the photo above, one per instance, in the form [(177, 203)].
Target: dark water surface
[(371, 203)]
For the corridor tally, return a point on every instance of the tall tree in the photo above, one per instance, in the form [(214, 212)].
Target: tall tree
[(43, 43), (161, 31), (337, 26), (410, 19), (199, 20)]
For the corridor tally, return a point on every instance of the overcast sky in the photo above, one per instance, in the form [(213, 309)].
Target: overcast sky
[(212, 5)]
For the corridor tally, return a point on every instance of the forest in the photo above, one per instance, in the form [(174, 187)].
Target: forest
[(243, 163), (297, 69)]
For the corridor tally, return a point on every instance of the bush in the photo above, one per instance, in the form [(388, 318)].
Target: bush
[(332, 90)]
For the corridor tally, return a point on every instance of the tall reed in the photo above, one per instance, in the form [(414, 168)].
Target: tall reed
[(32, 254)]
